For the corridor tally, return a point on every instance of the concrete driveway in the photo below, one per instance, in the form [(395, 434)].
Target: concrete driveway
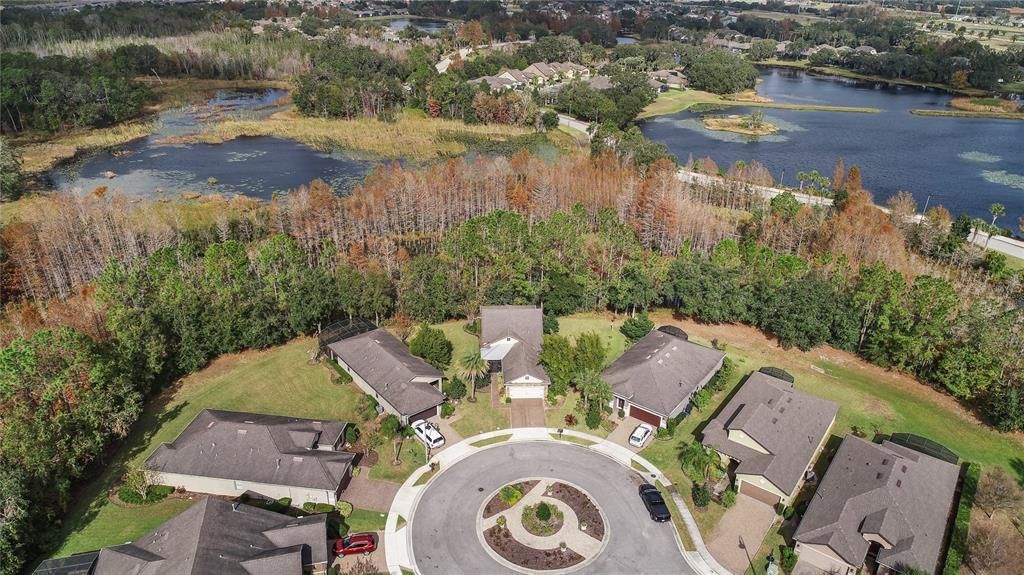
[(620, 434), (443, 524), (527, 412), (378, 558), (748, 520)]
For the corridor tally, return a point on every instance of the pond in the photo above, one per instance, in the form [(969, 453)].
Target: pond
[(625, 40), (964, 164), (428, 25), (257, 167)]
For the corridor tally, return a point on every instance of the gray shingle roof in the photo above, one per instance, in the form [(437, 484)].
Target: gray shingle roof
[(903, 495), (661, 371), (524, 323), (788, 423), (387, 365), (215, 537), (257, 448)]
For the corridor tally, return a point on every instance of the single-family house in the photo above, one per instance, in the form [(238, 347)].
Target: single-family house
[(670, 78), (657, 378), (545, 72), (496, 83), (880, 506), (231, 453), (770, 434), (601, 83), (510, 341), (384, 368), (218, 536)]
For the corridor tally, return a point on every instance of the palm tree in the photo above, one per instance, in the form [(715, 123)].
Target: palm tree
[(472, 367), (699, 462), (996, 210)]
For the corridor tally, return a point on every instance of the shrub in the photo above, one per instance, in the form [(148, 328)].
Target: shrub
[(501, 521), (549, 119), (323, 508), (308, 506), (635, 328), (717, 381), (543, 511), (702, 399), (336, 527), (510, 495), (593, 418), (508, 399), (729, 498), (787, 512), (701, 496), (570, 420), (962, 525), (345, 508), (455, 388), (154, 493), (622, 414), (447, 410), (789, 559), (431, 344), (663, 433), (550, 324), (368, 408), (351, 434)]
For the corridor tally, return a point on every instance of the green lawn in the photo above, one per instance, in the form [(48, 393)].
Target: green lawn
[(276, 381), (476, 418), (463, 342), (366, 520), (554, 416), (601, 324), (492, 440), (413, 457)]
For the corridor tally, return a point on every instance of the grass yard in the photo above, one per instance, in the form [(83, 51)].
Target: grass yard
[(476, 418), (366, 520), (413, 457), (463, 342), (678, 100), (276, 381), (604, 325), (554, 417), (491, 440)]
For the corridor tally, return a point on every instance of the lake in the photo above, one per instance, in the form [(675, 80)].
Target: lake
[(257, 167), (428, 25), (964, 164)]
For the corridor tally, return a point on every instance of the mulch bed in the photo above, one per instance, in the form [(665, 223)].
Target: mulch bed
[(496, 505), (582, 506), (501, 540)]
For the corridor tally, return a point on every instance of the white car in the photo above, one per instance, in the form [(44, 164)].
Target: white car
[(640, 435), (430, 437)]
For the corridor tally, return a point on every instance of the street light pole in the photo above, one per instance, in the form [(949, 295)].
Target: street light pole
[(743, 546)]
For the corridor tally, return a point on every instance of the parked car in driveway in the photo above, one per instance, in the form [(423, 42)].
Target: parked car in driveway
[(430, 436), (654, 503), (640, 435), (360, 543)]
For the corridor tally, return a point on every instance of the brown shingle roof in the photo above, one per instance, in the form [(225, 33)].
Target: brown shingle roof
[(524, 323), (904, 495), (788, 423), (387, 365), (661, 371)]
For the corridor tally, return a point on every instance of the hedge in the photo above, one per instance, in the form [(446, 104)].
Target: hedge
[(958, 541)]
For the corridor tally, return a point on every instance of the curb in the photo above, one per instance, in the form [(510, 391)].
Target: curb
[(398, 542)]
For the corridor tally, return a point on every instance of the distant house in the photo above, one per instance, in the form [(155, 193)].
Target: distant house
[(217, 536), (601, 83), (670, 78), (882, 504), (656, 379), (773, 433), (510, 341), (546, 72), (496, 83), (730, 45), (384, 368), (231, 453)]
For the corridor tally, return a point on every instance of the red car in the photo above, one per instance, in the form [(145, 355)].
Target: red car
[(364, 543)]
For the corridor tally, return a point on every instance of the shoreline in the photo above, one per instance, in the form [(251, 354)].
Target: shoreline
[(835, 72), (967, 114), (676, 101)]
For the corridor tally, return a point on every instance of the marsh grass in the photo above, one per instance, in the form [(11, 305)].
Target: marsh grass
[(40, 157), (411, 136)]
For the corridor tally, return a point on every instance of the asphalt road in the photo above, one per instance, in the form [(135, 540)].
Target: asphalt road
[(443, 525)]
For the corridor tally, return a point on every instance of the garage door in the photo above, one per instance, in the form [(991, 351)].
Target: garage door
[(756, 492), (526, 391), (425, 414), (645, 416)]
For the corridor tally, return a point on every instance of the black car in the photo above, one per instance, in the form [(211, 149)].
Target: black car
[(654, 503)]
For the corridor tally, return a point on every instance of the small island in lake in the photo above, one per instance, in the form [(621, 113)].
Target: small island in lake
[(751, 125)]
